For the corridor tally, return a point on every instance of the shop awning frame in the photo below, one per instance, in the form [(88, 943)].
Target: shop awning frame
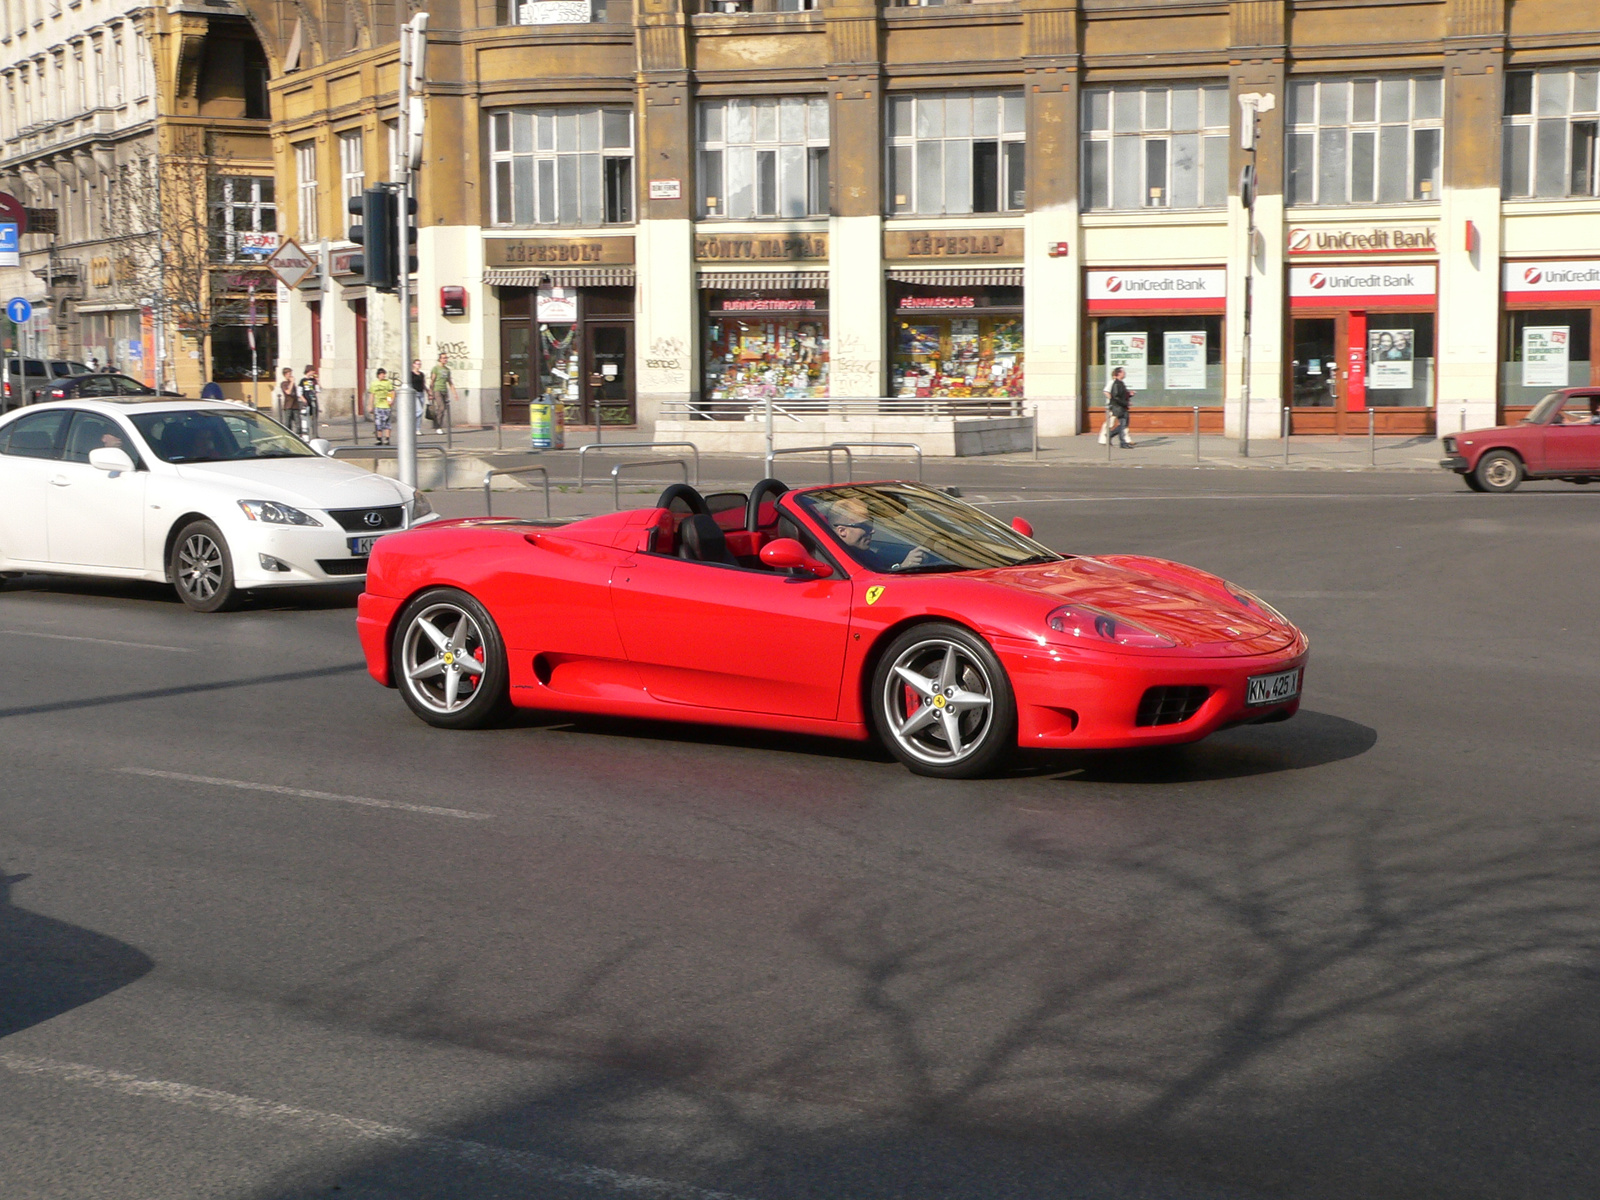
[(958, 276), (741, 281), (533, 277)]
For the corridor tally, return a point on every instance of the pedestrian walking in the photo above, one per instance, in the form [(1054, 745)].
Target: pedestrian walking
[(439, 388), (419, 392), (1118, 397), (289, 401), (382, 407), (308, 398)]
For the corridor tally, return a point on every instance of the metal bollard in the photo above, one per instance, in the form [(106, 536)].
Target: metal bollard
[(1463, 418), (1197, 433), (1286, 427), (1035, 432), (1372, 437)]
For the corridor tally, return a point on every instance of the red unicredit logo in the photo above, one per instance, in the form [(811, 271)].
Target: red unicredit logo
[(1113, 283), (1299, 239), (1318, 280), (1532, 275)]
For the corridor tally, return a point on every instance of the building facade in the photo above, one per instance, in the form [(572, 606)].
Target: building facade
[(667, 212), (138, 138)]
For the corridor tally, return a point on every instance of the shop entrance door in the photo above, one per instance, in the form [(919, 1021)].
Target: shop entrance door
[(608, 372), (1318, 386), (516, 371)]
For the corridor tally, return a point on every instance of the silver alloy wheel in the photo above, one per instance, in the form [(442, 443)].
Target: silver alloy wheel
[(938, 701), (1502, 472), (200, 565), (442, 649)]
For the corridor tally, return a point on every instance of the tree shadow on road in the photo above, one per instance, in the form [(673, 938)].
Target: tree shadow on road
[(48, 967)]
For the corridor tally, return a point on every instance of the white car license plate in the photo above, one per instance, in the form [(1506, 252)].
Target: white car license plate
[(1273, 689), (361, 547)]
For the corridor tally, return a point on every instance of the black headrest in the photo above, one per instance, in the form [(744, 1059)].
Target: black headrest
[(703, 540)]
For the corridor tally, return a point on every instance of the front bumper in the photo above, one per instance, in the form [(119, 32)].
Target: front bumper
[(1456, 463), (1070, 702)]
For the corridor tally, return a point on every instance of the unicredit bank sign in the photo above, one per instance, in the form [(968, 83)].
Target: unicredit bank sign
[(1202, 289), (1362, 239), (1553, 281), (1359, 287)]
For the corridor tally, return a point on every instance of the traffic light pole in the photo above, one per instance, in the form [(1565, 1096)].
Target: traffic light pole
[(405, 436)]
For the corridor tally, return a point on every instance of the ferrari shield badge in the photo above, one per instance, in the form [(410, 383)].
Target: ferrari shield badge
[(873, 593)]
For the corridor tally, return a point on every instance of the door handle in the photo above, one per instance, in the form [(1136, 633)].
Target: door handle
[(61, 481)]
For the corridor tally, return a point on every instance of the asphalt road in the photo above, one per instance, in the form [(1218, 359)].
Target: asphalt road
[(264, 935)]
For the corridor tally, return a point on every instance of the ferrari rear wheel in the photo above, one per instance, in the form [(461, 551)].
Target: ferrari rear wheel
[(942, 702), (450, 662)]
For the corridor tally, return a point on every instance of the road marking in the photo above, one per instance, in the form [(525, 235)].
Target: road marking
[(326, 1124), (306, 793), (68, 637)]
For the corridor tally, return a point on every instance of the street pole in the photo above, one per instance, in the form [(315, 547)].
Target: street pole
[(405, 434), (1251, 106)]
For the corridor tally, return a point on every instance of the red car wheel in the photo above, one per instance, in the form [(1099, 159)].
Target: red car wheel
[(450, 662), (942, 702)]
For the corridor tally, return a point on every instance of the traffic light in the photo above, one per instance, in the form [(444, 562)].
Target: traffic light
[(411, 228), (375, 233)]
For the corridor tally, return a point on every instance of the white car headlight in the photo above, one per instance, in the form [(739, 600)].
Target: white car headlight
[(271, 512), (420, 507)]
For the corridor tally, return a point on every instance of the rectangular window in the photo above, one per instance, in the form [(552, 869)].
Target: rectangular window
[(561, 166), (1162, 147), (352, 163), (956, 153), (243, 218), (765, 157), (1365, 141), (1549, 134), (305, 165)]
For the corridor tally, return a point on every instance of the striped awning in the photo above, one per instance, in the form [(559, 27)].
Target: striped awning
[(742, 281), (960, 276), (560, 276)]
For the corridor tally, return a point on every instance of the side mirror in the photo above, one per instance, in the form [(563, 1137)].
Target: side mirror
[(1022, 526), (786, 554), (110, 458), (322, 446)]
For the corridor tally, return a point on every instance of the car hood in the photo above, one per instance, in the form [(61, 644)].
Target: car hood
[(305, 482), (1188, 614)]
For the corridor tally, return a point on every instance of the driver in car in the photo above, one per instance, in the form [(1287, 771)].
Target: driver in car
[(853, 526)]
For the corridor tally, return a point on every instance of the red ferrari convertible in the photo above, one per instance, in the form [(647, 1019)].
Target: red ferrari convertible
[(862, 610)]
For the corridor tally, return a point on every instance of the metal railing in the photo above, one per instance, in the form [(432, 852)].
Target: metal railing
[(616, 475), (392, 452), (849, 458), (690, 446), (488, 502)]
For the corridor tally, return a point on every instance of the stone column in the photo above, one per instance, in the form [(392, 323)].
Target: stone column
[(857, 300)]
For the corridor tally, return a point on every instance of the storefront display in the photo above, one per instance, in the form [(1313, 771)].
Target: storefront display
[(761, 346), (1549, 326), (958, 345), (569, 347), (1164, 329)]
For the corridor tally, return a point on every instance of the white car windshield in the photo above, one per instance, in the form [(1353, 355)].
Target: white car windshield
[(206, 435), (911, 529)]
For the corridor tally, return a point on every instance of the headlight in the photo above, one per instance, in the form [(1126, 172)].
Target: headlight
[(1079, 620), (272, 513), (1449, 445), (1252, 601), (420, 507)]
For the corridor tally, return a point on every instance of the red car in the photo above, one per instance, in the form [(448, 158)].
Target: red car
[(862, 610), (1559, 439)]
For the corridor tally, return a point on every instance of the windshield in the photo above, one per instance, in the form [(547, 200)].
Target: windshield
[(206, 435), (1542, 411), (907, 528)]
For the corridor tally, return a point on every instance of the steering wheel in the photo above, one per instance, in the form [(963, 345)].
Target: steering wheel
[(682, 491), (752, 508)]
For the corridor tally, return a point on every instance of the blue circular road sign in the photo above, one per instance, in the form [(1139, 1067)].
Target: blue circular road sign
[(19, 310)]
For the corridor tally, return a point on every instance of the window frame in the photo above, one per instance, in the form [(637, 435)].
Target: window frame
[(904, 152), (352, 154), (223, 206), (1098, 138), (1533, 129), (1321, 166), (806, 155), (305, 166), (518, 135)]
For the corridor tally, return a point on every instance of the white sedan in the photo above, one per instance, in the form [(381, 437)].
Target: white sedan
[(211, 497)]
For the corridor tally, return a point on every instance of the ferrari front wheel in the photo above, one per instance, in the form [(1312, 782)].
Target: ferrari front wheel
[(450, 662), (942, 702)]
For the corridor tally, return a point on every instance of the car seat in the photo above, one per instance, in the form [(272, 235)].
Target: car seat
[(702, 541)]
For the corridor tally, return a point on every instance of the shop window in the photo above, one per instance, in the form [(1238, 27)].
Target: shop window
[(1551, 123), (761, 346), (1364, 141), (1172, 361), (1400, 360), (764, 158), (562, 166), (244, 217), (1163, 147), (237, 358), (957, 152), (1544, 349), (957, 345)]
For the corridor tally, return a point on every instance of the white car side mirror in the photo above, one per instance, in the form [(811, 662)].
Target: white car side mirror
[(322, 446), (110, 458)]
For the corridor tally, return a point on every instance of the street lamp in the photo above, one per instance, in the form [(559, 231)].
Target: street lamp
[(1251, 106)]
